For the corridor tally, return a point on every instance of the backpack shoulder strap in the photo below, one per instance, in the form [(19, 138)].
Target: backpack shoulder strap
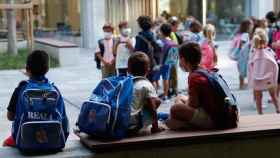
[(138, 78), (116, 43), (145, 40), (101, 46)]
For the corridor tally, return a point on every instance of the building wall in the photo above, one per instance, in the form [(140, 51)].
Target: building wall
[(73, 14), (129, 10), (276, 6), (259, 8), (55, 12)]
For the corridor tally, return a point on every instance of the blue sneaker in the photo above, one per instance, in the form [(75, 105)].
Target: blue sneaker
[(162, 116)]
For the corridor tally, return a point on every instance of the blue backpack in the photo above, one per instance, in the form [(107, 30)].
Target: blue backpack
[(41, 123), (227, 111), (106, 115)]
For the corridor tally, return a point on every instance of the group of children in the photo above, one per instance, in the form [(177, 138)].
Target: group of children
[(256, 50), (187, 110), (157, 40), (147, 57)]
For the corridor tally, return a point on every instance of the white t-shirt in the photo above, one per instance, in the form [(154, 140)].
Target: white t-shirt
[(123, 53), (245, 38), (143, 89)]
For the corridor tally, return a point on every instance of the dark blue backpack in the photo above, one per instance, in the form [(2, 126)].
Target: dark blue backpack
[(106, 115), (227, 110), (41, 123)]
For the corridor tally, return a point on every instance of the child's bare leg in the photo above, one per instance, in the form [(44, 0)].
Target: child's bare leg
[(165, 87), (273, 94), (156, 85), (278, 90), (258, 97), (180, 115), (181, 99), (241, 82)]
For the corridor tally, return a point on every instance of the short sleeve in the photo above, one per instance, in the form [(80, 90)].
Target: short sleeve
[(150, 91), (14, 99)]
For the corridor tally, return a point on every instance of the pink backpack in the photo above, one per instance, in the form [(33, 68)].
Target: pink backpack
[(208, 56), (234, 52), (276, 37)]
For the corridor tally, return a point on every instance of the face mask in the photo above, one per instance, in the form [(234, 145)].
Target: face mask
[(126, 32), (108, 35), (278, 24)]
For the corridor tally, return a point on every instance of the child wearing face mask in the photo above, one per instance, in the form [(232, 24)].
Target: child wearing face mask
[(104, 55), (123, 48)]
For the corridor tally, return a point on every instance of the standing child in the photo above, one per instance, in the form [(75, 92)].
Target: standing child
[(104, 52), (276, 47), (123, 48), (196, 33), (244, 46), (208, 48), (263, 70), (165, 70)]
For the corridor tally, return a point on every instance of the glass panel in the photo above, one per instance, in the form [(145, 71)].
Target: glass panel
[(219, 12), (182, 8), (225, 17)]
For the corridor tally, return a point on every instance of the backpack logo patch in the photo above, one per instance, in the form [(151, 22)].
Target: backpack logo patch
[(92, 116)]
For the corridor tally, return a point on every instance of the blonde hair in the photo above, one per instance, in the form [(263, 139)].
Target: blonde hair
[(260, 38), (209, 32)]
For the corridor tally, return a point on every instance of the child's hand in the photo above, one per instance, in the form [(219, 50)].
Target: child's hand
[(157, 130)]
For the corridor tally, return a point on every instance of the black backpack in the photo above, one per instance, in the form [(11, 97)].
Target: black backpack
[(227, 115), (154, 51)]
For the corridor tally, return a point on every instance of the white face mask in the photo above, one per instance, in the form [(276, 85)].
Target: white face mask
[(126, 31), (108, 35), (278, 24)]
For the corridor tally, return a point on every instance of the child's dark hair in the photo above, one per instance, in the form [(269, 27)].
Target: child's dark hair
[(123, 24), (166, 29), (245, 26), (108, 26), (38, 63), (191, 53), (271, 17), (196, 26), (145, 23), (138, 64)]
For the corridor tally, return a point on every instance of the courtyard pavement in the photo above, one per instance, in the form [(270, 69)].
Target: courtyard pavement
[(76, 84)]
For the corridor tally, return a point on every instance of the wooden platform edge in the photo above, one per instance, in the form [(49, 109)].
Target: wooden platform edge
[(171, 138)]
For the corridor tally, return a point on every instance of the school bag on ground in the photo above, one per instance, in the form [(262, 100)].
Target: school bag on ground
[(107, 114), (234, 52), (227, 111), (41, 123)]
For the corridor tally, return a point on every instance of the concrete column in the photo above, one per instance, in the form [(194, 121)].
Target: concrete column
[(248, 8), (92, 20), (261, 7), (204, 12)]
